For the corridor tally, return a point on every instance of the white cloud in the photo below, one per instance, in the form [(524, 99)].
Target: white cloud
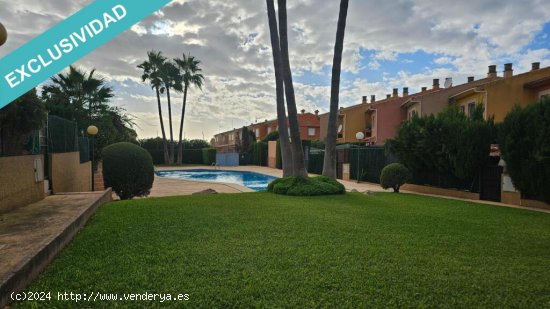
[(231, 39)]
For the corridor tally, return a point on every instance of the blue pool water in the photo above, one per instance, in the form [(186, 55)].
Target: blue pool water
[(254, 181)]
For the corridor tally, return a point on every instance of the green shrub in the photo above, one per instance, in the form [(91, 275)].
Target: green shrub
[(394, 176), (208, 156), (298, 186), (525, 144), (259, 154), (273, 136), (447, 143), (128, 169)]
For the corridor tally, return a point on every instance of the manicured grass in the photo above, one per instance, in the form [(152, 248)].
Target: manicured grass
[(350, 251)]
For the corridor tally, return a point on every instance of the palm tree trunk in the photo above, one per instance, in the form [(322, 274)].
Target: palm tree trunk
[(166, 157), (180, 144), (298, 163), (172, 146), (329, 164), (286, 155)]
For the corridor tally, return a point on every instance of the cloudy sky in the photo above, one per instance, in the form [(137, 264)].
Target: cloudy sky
[(389, 44)]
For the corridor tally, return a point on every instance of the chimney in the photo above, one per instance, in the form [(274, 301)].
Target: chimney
[(405, 91), (395, 92), (492, 71), (388, 96), (508, 71), (470, 79), (364, 99), (303, 111), (535, 66), (372, 98), (436, 83), (424, 89), (316, 112)]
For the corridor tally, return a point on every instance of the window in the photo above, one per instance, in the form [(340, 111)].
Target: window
[(311, 131), (268, 130), (462, 109), (471, 107), (257, 132), (412, 114)]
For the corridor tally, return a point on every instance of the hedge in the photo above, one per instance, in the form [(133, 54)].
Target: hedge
[(259, 154), (298, 186), (208, 156)]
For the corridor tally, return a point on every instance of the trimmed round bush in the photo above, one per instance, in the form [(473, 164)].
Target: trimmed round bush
[(128, 169), (298, 186), (394, 176)]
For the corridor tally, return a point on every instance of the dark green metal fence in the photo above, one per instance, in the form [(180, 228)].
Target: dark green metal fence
[(62, 135), (368, 162), (315, 164), (84, 149)]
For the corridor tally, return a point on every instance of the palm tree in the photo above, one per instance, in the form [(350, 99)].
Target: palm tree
[(152, 73), (298, 163), (286, 155), (169, 76), (189, 75), (77, 95), (329, 164)]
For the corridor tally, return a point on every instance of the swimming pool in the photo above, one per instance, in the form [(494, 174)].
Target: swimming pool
[(254, 181)]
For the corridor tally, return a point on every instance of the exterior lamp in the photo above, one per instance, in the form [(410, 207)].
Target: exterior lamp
[(3, 35), (92, 132), (359, 136)]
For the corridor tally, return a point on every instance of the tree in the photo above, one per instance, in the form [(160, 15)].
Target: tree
[(189, 75), (170, 77), (449, 143), (298, 163), (152, 73), (524, 139), (284, 141), (17, 120), (84, 98), (77, 95), (329, 164)]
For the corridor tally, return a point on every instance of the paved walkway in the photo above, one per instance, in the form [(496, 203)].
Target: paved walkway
[(31, 236)]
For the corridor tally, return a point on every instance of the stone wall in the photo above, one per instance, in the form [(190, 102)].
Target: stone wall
[(17, 182)]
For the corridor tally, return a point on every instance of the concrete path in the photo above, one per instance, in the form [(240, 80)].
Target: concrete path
[(31, 236)]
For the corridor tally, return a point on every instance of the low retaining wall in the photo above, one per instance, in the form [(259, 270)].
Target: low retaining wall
[(17, 182), (68, 174), (535, 204), (440, 191)]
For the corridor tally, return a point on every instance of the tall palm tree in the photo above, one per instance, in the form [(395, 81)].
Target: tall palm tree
[(189, 75), (152, 73), (329, 164), (286, 155), (169, 76), (298, 163)]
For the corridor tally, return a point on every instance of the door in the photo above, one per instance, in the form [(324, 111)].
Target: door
[(491, 181)]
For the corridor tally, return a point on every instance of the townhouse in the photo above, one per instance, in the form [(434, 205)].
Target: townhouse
[(501, 95), (431, 103), (308, 123)]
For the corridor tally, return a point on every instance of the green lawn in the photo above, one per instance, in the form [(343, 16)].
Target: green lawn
[(352, 251)]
